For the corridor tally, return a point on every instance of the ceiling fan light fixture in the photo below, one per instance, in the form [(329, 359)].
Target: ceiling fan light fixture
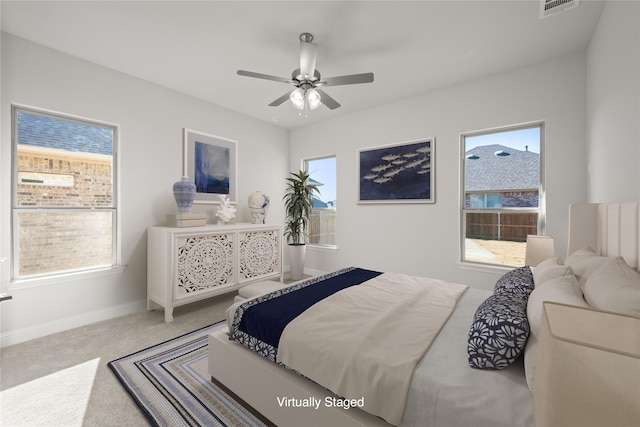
[(306, 78), (313, 98), (297, 98)]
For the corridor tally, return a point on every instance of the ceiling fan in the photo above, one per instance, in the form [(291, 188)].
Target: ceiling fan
[(307, 80)]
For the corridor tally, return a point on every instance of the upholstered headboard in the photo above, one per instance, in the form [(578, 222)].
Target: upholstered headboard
[(611, 229)]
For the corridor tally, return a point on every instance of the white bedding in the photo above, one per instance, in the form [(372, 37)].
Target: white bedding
[(445, 391), (364, 342)]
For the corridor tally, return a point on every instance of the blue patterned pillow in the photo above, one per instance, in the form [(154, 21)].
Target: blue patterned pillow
[(518, 280), (499, 331)]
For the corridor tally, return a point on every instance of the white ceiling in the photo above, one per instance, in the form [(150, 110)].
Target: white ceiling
[(196, 47)]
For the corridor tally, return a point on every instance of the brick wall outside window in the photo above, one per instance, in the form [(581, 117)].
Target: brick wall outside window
[(45, 235)]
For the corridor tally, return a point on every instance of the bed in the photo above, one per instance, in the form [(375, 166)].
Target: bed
[(456, 381)]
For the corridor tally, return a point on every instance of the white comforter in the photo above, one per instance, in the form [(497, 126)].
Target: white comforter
[(364, 342), (446, 392)]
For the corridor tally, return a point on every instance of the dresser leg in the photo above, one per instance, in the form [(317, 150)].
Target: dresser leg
[(168, 314)]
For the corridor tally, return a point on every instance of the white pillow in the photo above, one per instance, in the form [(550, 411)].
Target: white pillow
[(564, 290), (549, 269), (614, 287), (583, 262), (530, 359)]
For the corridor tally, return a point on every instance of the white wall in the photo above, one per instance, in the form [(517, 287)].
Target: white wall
[(613, 100), (424, 239), (151, 119)]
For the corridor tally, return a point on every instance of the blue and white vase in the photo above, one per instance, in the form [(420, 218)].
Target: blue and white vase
[(184, 191)]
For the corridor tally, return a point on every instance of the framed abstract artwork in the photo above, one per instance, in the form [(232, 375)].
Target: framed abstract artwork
[(211, 163), (397, 173)]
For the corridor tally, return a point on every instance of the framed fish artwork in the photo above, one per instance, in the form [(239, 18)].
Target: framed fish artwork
[(397, 173)]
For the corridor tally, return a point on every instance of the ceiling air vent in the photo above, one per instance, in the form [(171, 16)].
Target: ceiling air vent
[(551, 7)]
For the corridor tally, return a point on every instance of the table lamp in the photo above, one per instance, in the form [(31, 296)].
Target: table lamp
[(538, 249)]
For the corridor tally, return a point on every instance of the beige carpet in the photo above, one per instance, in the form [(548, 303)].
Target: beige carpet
[(64, 394), (63, 379)]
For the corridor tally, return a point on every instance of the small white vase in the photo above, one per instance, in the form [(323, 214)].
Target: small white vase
[(258, 207)]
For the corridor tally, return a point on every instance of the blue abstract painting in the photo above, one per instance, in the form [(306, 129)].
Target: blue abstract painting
[(397, 173), (211, 168)]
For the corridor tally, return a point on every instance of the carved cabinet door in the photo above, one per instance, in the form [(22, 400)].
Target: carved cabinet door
[(204, 262), (259, 254)]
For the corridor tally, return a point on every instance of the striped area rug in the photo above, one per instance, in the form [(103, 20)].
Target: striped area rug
[(171, 384)]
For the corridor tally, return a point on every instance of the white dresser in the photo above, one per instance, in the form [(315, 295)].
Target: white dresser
[(185, 265)]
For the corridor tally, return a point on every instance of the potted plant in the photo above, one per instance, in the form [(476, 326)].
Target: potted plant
[(298, 202)]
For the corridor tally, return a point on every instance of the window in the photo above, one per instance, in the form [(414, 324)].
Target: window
[(64, 202), (502, 197), (322, 225)]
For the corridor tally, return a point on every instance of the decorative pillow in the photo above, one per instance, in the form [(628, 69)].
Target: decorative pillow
[(518, 280), (583, 262), (614, 287), (549, 269), (564, 290), (499, 331)]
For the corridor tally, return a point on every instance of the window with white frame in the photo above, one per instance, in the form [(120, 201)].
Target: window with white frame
[(322, 225), (64, 216), (503, 193)]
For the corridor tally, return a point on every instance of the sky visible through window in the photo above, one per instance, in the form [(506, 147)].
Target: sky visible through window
[(521, 139), (324, 171)]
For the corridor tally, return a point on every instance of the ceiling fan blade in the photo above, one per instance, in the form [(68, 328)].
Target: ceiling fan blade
[(307, 59), (327, 100), (347, 80), (264, 76), (280, 100)]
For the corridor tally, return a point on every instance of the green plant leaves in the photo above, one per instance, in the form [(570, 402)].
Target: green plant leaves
[(298, 202)]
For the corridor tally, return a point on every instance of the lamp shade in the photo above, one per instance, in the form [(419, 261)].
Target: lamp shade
[(297, 98), (538, 249), (313, 98), (588, 368)]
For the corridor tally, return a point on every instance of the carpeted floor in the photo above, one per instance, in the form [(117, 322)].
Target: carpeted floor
[(63, 379)]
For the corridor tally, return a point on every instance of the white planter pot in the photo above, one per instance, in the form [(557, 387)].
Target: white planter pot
[(297, 254)]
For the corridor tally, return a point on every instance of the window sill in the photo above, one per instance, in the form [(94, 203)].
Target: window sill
[(486, 268), (324, 248), (64, 277)]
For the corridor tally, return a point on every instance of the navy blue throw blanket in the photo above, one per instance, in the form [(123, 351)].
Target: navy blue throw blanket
[(267, 320)]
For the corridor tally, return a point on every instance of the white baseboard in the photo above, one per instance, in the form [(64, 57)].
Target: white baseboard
[(307, 271), (39, 331), (314, 272)]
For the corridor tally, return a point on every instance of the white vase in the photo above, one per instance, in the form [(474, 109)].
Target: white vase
[(258, 207), (297, 255)]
